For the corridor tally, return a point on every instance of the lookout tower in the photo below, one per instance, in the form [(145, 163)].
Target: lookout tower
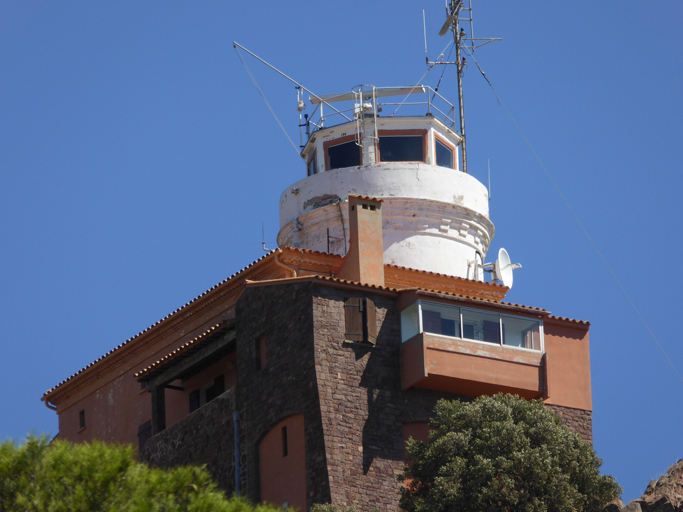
[(435, 217)]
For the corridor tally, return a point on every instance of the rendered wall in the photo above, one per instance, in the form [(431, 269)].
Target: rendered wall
[(283, 473)]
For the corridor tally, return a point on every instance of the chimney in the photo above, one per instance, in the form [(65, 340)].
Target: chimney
[(364, 262)]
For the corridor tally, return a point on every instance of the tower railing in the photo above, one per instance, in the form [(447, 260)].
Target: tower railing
[(366, 101)]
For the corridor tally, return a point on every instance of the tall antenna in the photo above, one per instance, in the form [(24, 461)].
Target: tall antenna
[(456, 12)]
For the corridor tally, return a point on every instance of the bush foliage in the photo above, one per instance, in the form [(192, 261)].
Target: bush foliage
[(37, 477), (502, 453)]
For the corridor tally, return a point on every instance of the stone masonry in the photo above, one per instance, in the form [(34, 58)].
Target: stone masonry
[(349, 394), (203, 437)]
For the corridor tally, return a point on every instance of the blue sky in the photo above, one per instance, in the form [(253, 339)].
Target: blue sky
[(137, 162)]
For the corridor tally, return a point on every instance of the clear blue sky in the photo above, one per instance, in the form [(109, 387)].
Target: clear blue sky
[(137, 161)]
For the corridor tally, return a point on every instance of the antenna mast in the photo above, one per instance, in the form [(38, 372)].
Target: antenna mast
[(454, 10)]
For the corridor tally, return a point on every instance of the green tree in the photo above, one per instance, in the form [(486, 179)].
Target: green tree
[(502, 453), (37, 477)]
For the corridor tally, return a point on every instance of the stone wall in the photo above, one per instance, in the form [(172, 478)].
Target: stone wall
[(349, 394), (285, 386), (363, 407), (576, 420), (206, 436)]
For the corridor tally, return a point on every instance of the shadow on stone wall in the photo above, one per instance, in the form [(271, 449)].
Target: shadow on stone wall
[(206, 436)]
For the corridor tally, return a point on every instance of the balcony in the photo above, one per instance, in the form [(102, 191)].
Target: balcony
[(472, 352)]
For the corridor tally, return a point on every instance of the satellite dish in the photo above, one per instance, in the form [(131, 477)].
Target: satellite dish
[(502, 268)]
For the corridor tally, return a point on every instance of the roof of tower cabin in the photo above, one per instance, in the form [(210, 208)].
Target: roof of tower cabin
[(287, 265)]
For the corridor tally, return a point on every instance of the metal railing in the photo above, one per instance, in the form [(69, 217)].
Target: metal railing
[(363, 103)]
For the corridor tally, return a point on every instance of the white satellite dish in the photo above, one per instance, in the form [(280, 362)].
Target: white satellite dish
[(502, 268)]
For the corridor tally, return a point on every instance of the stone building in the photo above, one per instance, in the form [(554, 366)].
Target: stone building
[(298, 379)]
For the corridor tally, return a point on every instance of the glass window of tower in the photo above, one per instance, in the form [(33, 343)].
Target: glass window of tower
[(401, 148)]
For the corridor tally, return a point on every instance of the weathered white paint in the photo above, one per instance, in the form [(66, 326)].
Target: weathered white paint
[(434, 218), (432, 125), (429, 222)]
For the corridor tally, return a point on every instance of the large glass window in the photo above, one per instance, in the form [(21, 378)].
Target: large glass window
[(480, 326), (440, 319), (521, 332), (444, 155), (401, 148), (346, 154), (470, 324), (410, 322)]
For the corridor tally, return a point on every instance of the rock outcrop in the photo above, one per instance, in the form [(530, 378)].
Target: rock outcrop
[(662, 495)]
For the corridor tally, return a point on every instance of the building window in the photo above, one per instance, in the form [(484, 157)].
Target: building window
[(81, 420), (444, 154), (204, 395), (195, 400), (216, 389), (360, 317), (144, 434), (346, 154), (401, 148), (312, 166), (285, 450), (260, 352), (471, 324)]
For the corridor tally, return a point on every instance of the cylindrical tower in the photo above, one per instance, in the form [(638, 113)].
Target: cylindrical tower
[(435, 218)]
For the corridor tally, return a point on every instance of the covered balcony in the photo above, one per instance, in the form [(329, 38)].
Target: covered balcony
[(472, 350)]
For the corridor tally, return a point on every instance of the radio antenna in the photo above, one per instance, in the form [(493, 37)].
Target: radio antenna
[(456, 12)]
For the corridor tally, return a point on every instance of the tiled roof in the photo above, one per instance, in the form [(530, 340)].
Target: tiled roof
[(446, 276), (324, 278), (129, 340), (183, 350), (368, 198), (571, 320), (485, 301)]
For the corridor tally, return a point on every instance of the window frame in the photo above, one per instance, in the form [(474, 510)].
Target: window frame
[(500, 315), (313, 159), (404, 133), (449, 145), (335, 142)]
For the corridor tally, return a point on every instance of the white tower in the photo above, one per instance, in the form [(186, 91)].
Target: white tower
[(435, 217)]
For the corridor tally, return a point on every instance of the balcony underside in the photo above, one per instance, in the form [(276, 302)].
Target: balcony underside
[(471, 368)]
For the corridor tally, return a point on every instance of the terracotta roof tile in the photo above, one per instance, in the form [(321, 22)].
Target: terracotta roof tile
[(129, 340), (183, 349), (571, 320), (325, 278), (236, 274), (485, 301), (428, 272)]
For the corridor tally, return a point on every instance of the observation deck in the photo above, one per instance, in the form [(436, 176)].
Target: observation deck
[(435, 217)]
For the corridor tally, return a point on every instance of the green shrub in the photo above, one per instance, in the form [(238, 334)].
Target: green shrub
[(502, 453)]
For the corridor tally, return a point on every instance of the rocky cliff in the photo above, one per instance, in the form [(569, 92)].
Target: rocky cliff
[(662, 495)]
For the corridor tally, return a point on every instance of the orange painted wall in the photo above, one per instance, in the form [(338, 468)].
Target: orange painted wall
[(475, 369), (283, 478), (108, 391), (569, 371), (178, 402), (470, 368), (418, 430), (115, 405)]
